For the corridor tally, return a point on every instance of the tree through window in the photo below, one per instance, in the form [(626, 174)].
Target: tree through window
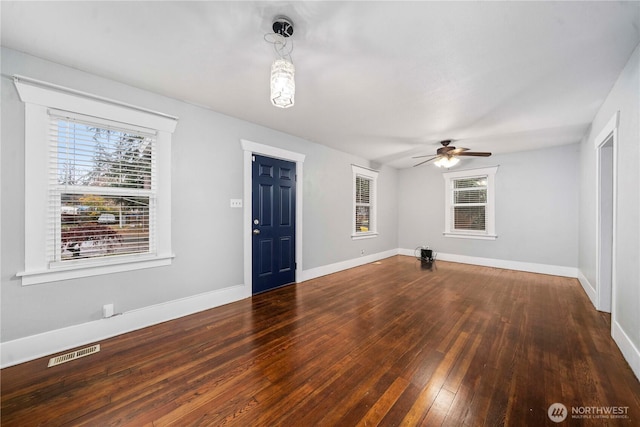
[(103, 192)]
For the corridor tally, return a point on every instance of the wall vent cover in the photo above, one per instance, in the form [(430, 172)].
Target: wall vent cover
[(73, 355)]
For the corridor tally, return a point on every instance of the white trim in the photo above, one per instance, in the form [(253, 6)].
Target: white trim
[(606, 295), (413, 252), (324, 270), (471, 236), (251, 148), (36, 193), (51, 95), (365, 235), (128, 264), (588, 288), (35, 346), (607, 130), (554, 270), (629, 351), (490, 211)]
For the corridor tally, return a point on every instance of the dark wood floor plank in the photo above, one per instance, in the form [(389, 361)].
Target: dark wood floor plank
[(382, 405), (438, 410), (432, 389), (382, 344)]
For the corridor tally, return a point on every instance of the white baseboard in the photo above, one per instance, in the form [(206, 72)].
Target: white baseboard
[(555, 270), (407, 252), (588, 288), (47, 343), (629, 351), (312, 273)]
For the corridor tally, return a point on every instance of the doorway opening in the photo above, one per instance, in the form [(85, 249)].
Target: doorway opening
[(606, 190), (605, 225)]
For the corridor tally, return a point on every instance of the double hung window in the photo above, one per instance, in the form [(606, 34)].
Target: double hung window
[(97, 184), (364, 202), (470, 203)]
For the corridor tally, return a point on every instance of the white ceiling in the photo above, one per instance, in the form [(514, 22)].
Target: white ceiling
[(382, 80)]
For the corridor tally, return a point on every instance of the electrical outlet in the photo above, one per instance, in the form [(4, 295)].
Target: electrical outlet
[(362, 252), (236, 203), (107, 310)]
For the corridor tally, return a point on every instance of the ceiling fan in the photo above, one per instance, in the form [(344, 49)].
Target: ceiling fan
[(447, 156)]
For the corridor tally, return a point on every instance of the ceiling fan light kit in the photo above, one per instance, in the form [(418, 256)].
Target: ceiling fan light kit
[(283, 85), (446, 162), (447, 156)]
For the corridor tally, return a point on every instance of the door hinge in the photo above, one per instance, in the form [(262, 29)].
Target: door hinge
[(253, 158)]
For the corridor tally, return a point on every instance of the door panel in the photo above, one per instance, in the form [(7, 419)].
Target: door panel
[(265, 205), (286, 213), (286, 252), (266, 250), (273, 223)]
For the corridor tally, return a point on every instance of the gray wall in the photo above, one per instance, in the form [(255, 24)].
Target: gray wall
[(207, 171), (536, 208), (624, 97)]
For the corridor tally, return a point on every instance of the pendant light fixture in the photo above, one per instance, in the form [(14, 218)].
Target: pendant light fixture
[(283, 85)]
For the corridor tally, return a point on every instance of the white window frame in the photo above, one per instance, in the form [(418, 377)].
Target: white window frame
[(39, 97), (490, 227), (372, 175)]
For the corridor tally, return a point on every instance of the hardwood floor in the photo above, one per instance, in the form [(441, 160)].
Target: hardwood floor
[(383, 344)]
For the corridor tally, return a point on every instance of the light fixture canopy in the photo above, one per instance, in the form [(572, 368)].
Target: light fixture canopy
[(283, 26), (283, 85)]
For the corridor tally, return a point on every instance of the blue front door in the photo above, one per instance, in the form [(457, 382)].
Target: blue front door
[(274, 223)]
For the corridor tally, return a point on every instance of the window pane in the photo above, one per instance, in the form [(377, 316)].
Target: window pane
[(362, 218), (469, 218), (470, 196), (470, 182), (93, 225), (363, 186), (92, 156)]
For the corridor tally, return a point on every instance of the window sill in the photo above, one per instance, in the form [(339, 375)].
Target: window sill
[(55, 274), (471, 236), (360, 236)]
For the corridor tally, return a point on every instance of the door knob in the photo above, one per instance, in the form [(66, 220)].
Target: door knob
[(256, 231)]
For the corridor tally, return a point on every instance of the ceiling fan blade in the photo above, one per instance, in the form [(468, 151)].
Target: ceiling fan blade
[(425, 155), (425, 161), (457, 151), (475, 153)]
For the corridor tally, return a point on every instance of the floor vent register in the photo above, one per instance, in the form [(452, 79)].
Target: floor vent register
[(73, 355)]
